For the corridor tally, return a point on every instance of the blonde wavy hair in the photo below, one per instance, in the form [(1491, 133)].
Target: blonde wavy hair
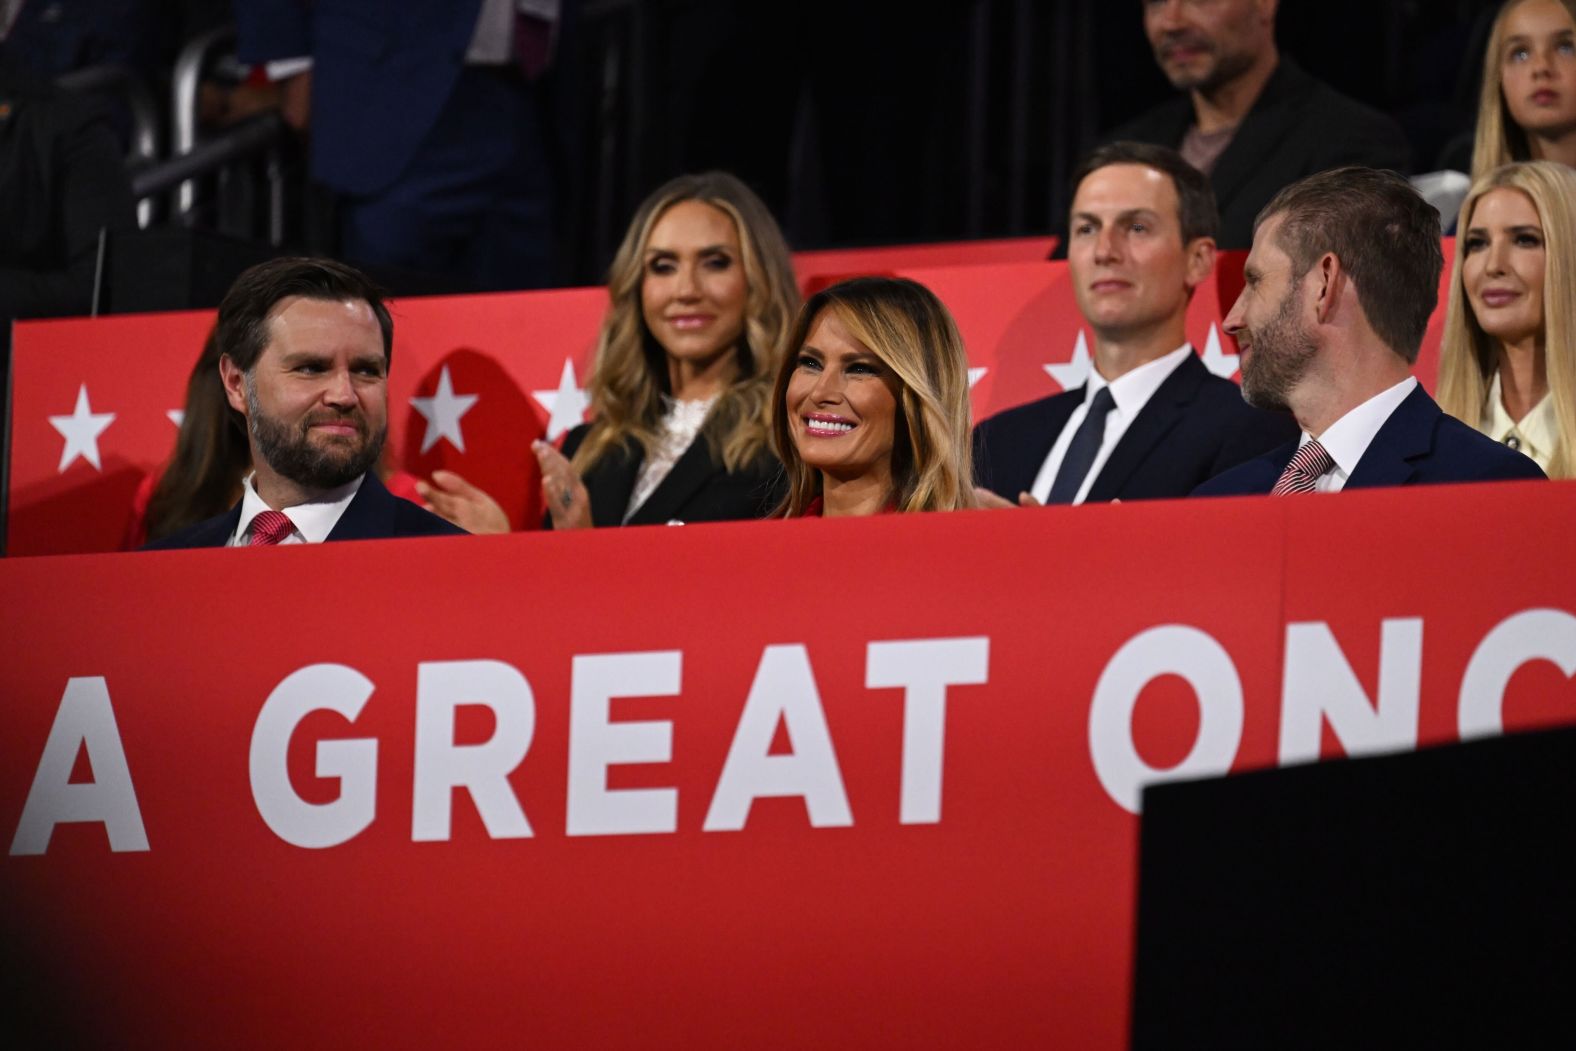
[(1499, 139), (1468, 356), (630, 373), (910, 330)]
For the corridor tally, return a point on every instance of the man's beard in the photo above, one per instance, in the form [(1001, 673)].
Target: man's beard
[(1228, 66), (289, 450), (1279, 355)]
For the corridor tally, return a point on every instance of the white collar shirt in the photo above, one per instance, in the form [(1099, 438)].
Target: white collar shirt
[(313, 520), (1535, 434), (1130, 392), (1348, 438)]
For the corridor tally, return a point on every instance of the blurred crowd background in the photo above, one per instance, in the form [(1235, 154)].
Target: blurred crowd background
[(876, 122)]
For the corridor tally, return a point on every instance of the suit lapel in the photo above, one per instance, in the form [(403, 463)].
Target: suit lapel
[(1029, 457), (611, 481), (219, 530), (369, 514), (1274, 465), (692, 471), (1405, 436), (1261, 131), (1160, 414)]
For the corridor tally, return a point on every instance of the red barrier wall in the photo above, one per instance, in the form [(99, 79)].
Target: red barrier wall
[(847, 842)]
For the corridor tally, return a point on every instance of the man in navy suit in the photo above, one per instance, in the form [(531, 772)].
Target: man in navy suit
[(427, 119), (305, 352), (1341, 281), (1152, 421)]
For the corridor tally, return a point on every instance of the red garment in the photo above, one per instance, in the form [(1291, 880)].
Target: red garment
[(813, 509)]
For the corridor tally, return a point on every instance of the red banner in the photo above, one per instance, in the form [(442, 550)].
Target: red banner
[(474, 380), (852, 783)]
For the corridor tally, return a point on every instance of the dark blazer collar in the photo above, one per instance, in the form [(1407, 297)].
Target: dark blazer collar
[(687, 477), (1058, 409), (1163, 411), (611, 480), (1406, 436), (1267, 469), (370, 513), (216, 531), (1268, 122)]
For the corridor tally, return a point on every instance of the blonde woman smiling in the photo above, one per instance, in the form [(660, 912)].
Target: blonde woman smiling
[(873, 404), (1507, 361), (702, 299)]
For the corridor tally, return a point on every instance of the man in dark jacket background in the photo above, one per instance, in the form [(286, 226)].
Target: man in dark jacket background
[(1251, 119)]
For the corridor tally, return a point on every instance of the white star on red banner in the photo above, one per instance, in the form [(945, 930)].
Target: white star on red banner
[(1073, 372), (566, 406), (442, 412), (81, 431), (1221, 364)]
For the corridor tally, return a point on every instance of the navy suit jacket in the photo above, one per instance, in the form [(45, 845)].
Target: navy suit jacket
[(374, 513), (1417, 445), (698, 488), (1193, 427), (381, 73)]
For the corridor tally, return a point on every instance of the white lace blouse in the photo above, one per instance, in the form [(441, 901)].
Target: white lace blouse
[(681, 425)]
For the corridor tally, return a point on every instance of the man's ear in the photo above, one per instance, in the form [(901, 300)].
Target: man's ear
[(1200, 261), (1331, 286), (234, 380)]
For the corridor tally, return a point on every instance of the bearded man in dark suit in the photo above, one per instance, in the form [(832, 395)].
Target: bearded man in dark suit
[(305, 347), (1343, 276)]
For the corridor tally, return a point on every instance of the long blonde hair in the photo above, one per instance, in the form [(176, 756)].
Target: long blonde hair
[(630, 374), (1499, 139), (910, 330), (1468, 356)]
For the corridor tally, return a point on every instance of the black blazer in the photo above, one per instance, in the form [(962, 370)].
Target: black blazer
[(1193, 427), (373, 514), (1417, 445), (1297, 126), (698, 488)]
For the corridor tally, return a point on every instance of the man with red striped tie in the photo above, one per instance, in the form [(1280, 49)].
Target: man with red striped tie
[(305, 346), (1340, 284)]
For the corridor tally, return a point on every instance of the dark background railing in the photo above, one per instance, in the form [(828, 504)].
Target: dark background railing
[(859, 121)]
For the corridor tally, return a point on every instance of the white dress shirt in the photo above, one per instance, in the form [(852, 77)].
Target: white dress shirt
[(1349, 437), (1130, 392), (1536, 434), (313, 521)]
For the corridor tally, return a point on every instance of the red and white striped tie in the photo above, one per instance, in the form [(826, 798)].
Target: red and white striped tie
[(1303, 472), (270, 527)]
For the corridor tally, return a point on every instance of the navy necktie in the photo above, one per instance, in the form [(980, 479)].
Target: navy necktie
[(1084, 447)]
